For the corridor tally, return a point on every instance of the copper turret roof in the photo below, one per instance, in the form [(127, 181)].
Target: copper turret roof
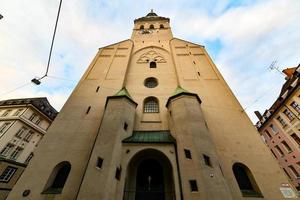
[(151, 16)]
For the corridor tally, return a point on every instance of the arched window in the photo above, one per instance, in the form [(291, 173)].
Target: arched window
[(142, 27), (152, 64), (245, 180), (151, 105), (151, 26), (161, 26), (58, 178)]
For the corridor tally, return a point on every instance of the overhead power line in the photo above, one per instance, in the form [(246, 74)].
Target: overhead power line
[(37, 81), (273, 67), (17, 88)]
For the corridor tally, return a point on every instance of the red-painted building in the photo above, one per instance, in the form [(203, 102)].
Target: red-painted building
[(279, 126)]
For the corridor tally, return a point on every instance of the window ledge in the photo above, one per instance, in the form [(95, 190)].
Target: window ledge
[(251, 193), (149, 121), (52, 191)]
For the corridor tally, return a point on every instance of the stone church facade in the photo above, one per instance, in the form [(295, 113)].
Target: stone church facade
[(152, 118)]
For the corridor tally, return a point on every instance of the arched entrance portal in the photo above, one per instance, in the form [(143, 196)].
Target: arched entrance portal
[(149, 180), (149, 177)]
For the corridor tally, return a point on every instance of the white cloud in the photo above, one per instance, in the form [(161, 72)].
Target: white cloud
[(25, 35), (252, 35)]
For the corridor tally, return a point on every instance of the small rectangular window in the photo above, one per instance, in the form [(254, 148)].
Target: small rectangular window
[(5, 113), (29, 158), (268, 134), (20, 132), (274, 129), (281, 121), (99, 162), (38, 121), (286, 146), (6, 150), (279, 150), (16, 153), (31, 118), (7, 174), (118, 173), (4, 126), (28, 136), (152, 64), (125, 126), (289, 114), (193, 185), (296, 138), (296, 106), (273, 153), (88, 110), (187, 153), (294, 171), (287, 173), (97, 90), (17, 112), (207, 160)]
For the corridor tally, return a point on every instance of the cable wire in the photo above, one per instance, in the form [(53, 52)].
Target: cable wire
[(259, 98), (61, 78), (37, 80), (53, 37), (19, 87)]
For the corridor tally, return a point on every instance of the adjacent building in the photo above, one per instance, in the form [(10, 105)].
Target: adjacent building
[(279, 126), (23, 123), (152, 119)]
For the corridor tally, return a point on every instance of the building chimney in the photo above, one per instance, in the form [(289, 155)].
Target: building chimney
[(258, 115)]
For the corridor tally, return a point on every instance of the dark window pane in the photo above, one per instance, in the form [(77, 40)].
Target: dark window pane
[(118, 173), (193, 185), (207, 160), (187, 153), (152, 64), (99, 162)]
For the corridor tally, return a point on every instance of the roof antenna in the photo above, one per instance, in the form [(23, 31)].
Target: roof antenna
[(37, 81), (273, 67)]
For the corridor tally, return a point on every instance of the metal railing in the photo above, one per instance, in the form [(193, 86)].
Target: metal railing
[(148, 195)]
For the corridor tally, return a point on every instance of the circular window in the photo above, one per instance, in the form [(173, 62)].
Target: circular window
[(151, 82)]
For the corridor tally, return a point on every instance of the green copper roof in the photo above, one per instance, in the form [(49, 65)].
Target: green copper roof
[(150, 137), (179, 90), (123, 92)]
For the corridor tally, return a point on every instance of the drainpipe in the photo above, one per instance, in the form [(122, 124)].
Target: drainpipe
[(178, 171)]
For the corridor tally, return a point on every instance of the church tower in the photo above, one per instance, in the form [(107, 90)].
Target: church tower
[(152, 119)]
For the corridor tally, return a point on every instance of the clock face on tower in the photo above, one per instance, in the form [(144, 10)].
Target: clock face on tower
[(145, 31)]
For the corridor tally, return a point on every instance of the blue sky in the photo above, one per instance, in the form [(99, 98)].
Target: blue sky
[(242, 37)]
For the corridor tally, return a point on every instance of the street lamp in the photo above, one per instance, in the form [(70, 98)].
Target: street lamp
[(1, 16)]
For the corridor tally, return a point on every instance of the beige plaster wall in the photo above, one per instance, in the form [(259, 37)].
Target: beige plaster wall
[(71, 136)]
